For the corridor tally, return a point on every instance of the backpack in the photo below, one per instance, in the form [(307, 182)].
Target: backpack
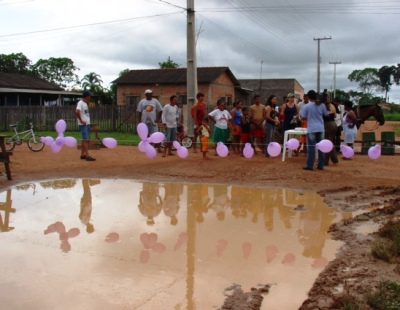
[(192, 111)]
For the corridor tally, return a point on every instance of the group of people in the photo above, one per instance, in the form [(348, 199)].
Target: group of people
[(257, 124)]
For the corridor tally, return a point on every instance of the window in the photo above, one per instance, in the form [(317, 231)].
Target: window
[(132, 100), (227, 99), (182, 99)]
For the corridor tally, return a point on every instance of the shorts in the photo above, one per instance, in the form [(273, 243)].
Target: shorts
[(236, 130), (170, 135), (204, 143), (85, 131), (303, 138), (152, 128), (258, 132), (245, 137)]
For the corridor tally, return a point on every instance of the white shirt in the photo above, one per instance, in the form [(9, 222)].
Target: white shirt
[(221, 118), (170, 115), (84, 109)]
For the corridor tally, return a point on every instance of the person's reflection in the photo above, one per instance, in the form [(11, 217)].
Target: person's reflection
[(238, 204), (199, 200), (221, 201), (86, 206), (150, 201), (171, 201), (316, 222), (286, 213), (6, 207), (269, 204), (257, 204)]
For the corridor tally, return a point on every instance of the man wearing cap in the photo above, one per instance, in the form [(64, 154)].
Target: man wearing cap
[(82, 114), (149, 112)]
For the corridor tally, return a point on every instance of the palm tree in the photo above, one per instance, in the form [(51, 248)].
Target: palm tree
[(92, 82)]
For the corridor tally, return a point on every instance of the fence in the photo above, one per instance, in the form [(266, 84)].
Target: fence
[(110, 118)]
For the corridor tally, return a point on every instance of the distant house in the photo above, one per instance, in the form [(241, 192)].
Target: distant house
[(29, 90), (215, 82), (277, 87)]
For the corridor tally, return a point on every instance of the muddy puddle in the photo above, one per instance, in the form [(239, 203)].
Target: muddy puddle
[(123, 244)]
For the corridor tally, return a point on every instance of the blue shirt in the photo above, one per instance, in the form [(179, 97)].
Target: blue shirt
[(314, 114)]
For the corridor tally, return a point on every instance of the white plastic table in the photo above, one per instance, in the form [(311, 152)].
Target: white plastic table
[(290, 134)]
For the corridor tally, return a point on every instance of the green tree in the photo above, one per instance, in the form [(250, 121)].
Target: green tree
[(396, 74), (15, 63), (385, 74), (168, 64), (92, 82), (60, 71), (342, 95), (367, 79)]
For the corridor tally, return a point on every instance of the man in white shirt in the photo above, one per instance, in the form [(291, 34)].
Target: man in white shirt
[(169, 120), (82, 114)]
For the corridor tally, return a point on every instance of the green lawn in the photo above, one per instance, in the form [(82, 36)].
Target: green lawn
[(122, 138)]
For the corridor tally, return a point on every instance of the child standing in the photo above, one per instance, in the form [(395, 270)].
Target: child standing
[(245, 135), (204, 132)]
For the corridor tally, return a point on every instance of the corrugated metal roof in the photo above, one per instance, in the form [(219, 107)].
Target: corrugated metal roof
[(21, 81), (173, 76)]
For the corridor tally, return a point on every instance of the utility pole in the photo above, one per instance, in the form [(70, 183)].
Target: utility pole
[(319, 60), (260, 76), (334, 63), (191, 76)]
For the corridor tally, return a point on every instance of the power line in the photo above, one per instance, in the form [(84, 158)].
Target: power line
[(87, 25)]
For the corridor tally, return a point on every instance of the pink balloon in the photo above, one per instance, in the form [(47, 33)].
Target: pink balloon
[(60, 141), (248, 151), (347, 151), (61, 125), (142, 131), (73, 232), (112, 237), (49, 140), (142, 146), (55, 148), (292, 144), (150, 151), (159, 248), (157, 137), (222, 150), (109, 142), (176, 145), (274, 149), (324, 146), (70, 141), (43, 140), (374, 152), (182, 152), (246, 249)]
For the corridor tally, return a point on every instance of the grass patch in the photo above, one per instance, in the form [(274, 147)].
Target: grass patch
[(392, 116), (387, 246), (123, 138), (385, 297)]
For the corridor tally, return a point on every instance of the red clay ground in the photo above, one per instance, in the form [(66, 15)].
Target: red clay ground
[(353, 185)]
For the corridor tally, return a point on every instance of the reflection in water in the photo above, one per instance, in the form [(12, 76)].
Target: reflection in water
[(6, 207), (229, 234), (86, 206), (150, 201)]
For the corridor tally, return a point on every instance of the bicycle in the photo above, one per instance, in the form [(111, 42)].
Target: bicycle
[(34, 143), (182, 138)]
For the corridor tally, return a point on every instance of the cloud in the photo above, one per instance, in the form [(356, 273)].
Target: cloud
[(238, 34)]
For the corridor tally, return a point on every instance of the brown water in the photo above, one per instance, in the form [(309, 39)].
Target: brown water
[(120, 244)]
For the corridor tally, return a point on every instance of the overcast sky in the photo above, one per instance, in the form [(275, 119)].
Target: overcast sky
[(267, 38)]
